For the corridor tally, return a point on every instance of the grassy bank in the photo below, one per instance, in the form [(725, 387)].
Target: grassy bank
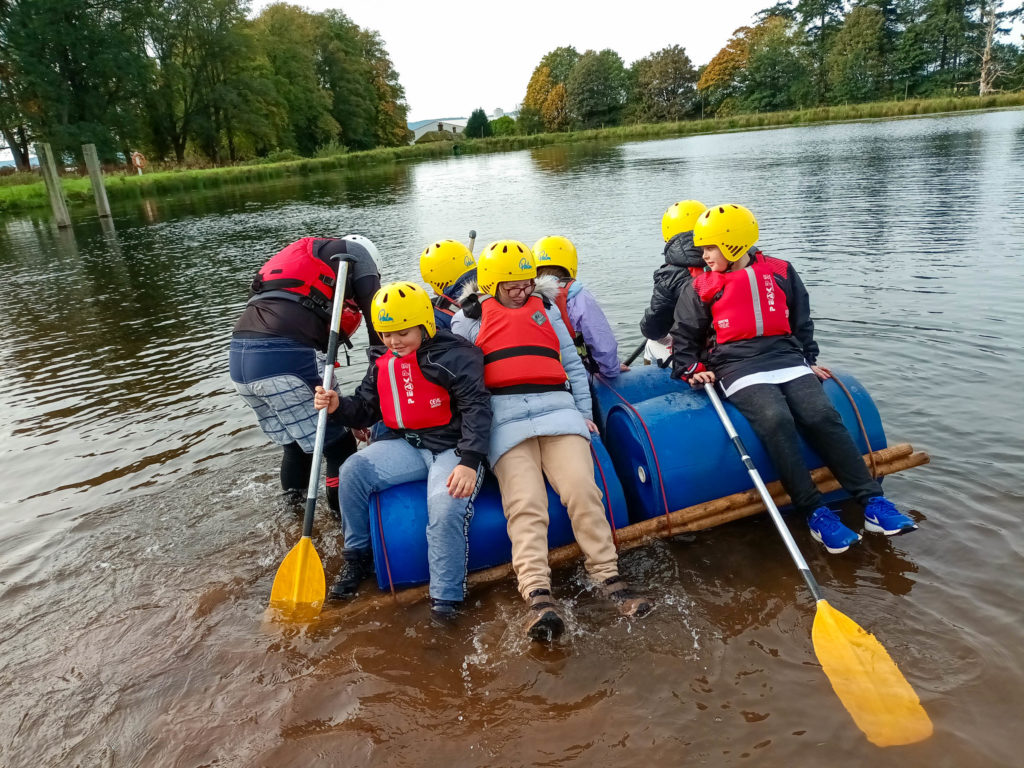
[(25, 192)]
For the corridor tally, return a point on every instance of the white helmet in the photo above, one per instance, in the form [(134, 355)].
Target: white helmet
[(367, 245)]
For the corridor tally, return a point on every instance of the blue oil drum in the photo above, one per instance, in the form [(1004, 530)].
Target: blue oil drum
[(634, 386), (401, 513), (673, 448)]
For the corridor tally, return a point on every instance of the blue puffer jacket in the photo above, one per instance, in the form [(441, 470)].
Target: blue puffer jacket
[(519, 417)]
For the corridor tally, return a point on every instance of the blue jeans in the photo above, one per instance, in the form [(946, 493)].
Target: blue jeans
[(384, 464)]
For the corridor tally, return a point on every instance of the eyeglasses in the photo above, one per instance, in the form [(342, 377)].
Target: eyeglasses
[(518, 290)]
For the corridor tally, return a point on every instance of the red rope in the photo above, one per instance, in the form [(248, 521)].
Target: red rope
[(650, 441), (860, 421), (608, 499), (384, 545)]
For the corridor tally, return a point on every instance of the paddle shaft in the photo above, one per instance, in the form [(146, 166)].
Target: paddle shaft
[(636, 352), (794, 551), (321, 422), (472, 239)]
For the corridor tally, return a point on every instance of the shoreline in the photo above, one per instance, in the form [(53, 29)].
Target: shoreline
[(16, 198)]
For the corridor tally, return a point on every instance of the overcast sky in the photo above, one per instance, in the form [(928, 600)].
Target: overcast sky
[(454, 57)]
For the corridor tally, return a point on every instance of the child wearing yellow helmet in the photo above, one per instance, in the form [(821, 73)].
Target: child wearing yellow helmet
[(427, 386), (541, 426), (746, 324), (448, 267), (681, 262), (583, 317)]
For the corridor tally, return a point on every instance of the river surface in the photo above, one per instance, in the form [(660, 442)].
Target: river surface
[(141, 523)]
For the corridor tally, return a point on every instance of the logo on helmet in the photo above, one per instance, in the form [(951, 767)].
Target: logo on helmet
[(543, 256), (384, 317), (524, 263), (468, 261)]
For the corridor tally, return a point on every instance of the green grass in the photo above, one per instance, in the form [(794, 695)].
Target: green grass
[(25, 191)]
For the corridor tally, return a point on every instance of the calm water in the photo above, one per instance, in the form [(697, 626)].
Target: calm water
[(141, 524)]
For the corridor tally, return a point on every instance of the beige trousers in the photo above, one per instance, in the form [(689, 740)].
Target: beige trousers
[(566, 462)]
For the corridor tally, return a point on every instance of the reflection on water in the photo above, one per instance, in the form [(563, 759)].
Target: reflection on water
[(142, 523)]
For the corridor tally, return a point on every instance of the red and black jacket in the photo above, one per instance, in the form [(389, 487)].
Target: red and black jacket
[(744, 321), (445, 363)]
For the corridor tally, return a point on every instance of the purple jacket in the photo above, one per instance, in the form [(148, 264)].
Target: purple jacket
[(588, 318)]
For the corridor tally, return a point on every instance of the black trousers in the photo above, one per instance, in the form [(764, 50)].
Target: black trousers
[(778, 413), (296, 466)]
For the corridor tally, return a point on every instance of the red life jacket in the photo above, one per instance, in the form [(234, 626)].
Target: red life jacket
[(521, 349), (746, 303), (299, 273), (408, 400), (562, 302)]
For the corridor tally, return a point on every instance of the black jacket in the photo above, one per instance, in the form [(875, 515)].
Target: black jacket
[(680, 254), (693, 337), (453, 363)]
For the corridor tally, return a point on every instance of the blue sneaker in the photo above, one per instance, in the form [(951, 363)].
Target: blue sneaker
[(829, 530), (880, 516)]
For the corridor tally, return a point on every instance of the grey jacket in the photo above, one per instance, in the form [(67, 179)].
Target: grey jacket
[(519, 417)]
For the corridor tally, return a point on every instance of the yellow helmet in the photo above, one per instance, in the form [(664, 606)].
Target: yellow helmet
[(443, 262), (556, 251), (680, 217), (397, 306), (732, 228), (503, 261)]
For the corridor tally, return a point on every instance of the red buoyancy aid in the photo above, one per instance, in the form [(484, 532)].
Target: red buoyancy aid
[(520, 346), (746, 303), (297, 272), (408, 400)]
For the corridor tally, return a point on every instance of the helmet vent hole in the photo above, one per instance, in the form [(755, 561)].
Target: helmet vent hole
[(721, 210), (504, 249)]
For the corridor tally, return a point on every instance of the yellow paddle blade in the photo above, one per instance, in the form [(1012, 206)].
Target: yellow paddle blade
[(867, 681), (299, 586)]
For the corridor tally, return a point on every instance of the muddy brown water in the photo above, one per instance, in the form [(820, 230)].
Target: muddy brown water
[(141, 523)]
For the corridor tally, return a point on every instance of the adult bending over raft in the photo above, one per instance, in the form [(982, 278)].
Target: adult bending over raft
[(541, 428), (278, 343), (428, 387), (751, 314)]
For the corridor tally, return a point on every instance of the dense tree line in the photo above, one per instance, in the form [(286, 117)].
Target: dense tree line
[(192, 79), (797, 53)]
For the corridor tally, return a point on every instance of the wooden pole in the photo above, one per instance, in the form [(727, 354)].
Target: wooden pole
[(92, 162), (53, 188), (699, 517)]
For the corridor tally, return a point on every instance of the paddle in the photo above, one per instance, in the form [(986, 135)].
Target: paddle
[(863, 675), (636, 353), (299, 586), (472, 239)]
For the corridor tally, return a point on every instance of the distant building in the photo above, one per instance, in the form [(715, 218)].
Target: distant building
[(451, 124)]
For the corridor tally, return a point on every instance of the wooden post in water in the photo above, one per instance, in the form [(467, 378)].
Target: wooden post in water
[(92, 162), (53, 188)]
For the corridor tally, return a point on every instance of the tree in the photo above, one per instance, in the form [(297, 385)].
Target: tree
[(503, 126), (73, 72), (391, 129), (719, 83), (819, 21), (531, 119), (349, 79), (856, 64), (774, 77), (560, 62), (555, 112), (287, 36), (664, 86), (478, 126), (596, 89)]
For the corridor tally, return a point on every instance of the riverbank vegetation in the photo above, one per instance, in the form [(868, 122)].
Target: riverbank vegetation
[(796, 55), (24, 191), (192, 81)]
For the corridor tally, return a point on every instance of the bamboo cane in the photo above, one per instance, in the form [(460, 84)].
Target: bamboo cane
[(698, 517)]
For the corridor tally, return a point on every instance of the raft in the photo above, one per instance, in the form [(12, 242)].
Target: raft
[(661, 450)]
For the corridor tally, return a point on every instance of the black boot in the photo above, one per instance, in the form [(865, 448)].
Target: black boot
[(358, 566)]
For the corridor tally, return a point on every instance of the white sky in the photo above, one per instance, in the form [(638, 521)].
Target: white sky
[(454, 57)]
